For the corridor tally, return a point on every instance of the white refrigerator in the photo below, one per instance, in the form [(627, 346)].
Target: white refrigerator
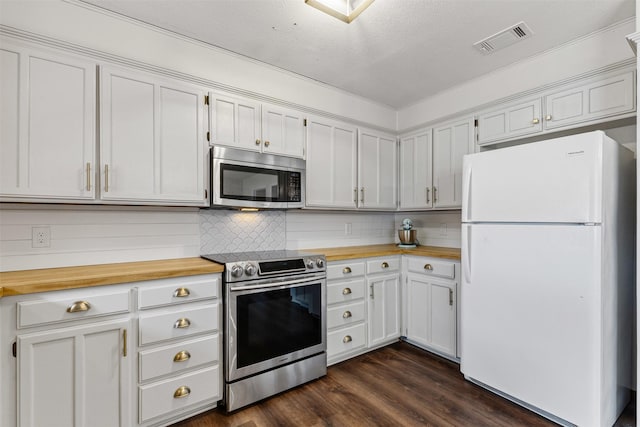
[(547, 276)]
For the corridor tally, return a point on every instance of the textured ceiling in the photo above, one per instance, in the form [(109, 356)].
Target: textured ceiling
[(396, 52)]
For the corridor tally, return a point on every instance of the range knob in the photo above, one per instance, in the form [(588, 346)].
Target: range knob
[(320, 262), (310, 263), (250, 269), (236, 270)]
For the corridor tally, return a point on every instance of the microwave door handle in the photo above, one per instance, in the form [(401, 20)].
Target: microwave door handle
[(274, 284)]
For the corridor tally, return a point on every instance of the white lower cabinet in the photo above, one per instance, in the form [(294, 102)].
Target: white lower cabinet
[(384, 309), (431, 304)]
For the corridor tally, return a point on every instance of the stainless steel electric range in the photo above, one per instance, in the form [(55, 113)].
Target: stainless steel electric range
[(275, 322)]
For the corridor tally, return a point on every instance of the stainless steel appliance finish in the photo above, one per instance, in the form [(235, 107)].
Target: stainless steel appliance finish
[(242, 179), (275, 322)]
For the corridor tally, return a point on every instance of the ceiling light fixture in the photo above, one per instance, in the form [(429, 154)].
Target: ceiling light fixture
[(344, 10)]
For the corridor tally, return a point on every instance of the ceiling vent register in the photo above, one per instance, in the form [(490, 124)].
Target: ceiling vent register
[(504, 38)]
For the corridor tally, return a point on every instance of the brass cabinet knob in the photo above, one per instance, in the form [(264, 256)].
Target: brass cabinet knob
[(79, 306), (182, 323), (428, 267), (535, 121), (266, 143), (346, 314), (385, 265), (347, 339), (346, 291), (346, 270), (181, 293), (258, 142), (180, 392), (182, 356), (548, 117)]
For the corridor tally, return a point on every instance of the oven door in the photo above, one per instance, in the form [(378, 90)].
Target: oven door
[(274, 323)]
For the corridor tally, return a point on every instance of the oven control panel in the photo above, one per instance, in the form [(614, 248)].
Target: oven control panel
[(248, 270)]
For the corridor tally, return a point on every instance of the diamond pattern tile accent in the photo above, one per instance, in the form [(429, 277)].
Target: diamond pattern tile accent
[(224, 231)]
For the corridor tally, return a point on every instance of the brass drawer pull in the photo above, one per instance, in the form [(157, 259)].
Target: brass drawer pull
[(346, 314), (346, 291), (346, 270), (347, 339), (183, 391), (181, 292), (266, 143), (258, 142), (385, 265), (182, 323), (182, 356), (79, 306), (428, 267)]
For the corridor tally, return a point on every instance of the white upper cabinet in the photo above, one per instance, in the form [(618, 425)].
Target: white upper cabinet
[(450, 143), (331, 173), (47, 124), (377, 170), (249, 125), (152, 144), (523, 118), (415, 170)]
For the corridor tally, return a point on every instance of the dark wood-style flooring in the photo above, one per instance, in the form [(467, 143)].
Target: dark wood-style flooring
[(398, 385)]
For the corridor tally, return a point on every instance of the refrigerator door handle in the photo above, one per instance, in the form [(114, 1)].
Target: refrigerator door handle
[(466, 254), (466, 194)]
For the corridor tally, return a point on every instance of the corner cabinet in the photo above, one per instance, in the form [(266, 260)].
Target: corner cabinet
[(383, 302), (152, 139), (247, 124), (416, 169), (377, 170), (47, 124), (431, 307)]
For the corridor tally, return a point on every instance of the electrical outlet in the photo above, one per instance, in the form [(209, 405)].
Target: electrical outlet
[(41, 237), (347, 228), (443, 229)]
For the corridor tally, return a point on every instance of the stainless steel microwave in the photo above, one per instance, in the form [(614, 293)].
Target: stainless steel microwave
[(246, 179)]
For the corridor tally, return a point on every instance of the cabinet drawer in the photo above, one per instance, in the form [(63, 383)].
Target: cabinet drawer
[(163, 397), (383, 265), (178, 292), (346, 340), (432, 268), (345, 291), (345, 315), (345, 270), (31, 313), (164, 326), (179, 357)]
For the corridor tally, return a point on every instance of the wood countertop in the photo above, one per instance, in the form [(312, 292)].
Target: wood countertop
[(352, 252), (55, 279)]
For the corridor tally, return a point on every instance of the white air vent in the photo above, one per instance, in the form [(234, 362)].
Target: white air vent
[(504, 38)]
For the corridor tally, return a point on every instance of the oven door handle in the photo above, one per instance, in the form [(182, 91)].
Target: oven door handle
[(274, 284)]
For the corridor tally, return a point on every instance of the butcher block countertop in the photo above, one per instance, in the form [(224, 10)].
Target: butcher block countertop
[(352, 252), (56, 279)]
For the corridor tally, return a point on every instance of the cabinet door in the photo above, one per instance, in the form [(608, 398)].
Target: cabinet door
[(235, 122), (76, 376), (509, 122), (415, 171), (47, 124), (377, 170), (450, 143), (431, 313), (591, 101), (331, 164), (383, 309), (282, 131), (152, 139)]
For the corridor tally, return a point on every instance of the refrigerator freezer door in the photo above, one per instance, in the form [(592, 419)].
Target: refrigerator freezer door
[(530, 315), (558, 180)]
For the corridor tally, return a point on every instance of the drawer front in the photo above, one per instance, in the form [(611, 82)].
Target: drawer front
[(345, 315), (346, 340), (178, 292), (179, 357), (163, 397), (383, 265), (345, 291), (432, 268), (31, 313), (165, 326), (345, 270)]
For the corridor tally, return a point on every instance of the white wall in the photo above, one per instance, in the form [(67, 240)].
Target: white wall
[(591, 52), (90, 27), (437, 228)]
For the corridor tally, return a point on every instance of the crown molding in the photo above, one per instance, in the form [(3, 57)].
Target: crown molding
[(634, 41)]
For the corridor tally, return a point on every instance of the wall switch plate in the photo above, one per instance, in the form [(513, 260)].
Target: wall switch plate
[(41, 237), (347, 228)]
